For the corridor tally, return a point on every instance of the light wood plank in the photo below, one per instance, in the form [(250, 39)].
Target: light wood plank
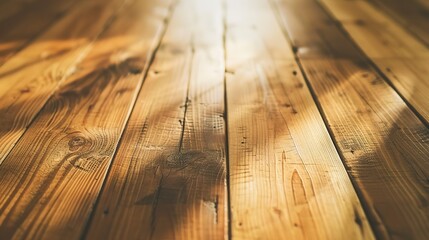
[(52, 178), (29, 78), (287, 180), (168, 177), (383, 144), (385, 42)]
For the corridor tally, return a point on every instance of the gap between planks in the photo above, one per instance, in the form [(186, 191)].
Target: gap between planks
[(49, 64), (361, 135), (274, 128), (66, 174), (168, 177)]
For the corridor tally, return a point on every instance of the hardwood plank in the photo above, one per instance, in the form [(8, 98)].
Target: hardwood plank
[(315, 34), (377, 34), (424, 3), (383, 144), (384, 42), (168, 177), (286, 178), (9, 8), (29, 78), (52, 178), (412, 15), (26, 22), (410, 77)]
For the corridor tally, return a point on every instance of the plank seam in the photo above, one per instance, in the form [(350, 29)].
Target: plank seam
[(391, 16), (68, 73), (145, 73), (325, 121), (33, 38), (187, 100), (372, 64), (225, 117)]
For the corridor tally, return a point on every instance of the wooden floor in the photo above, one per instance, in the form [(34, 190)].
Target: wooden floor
[(220, 119)]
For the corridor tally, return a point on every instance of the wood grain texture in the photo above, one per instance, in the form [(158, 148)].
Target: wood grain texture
[(29, 78), (168, 177), (286, 178), (383, 144), (413, 15), (52, 177), (376, 34), (313, 33), (385, 42), (21, 22), (221, 119), (410, 77)]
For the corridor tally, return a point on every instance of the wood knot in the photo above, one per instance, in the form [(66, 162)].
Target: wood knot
[(135, 70), (299, 85), (278, 211), (106, 211), (176, 51), (131, 66), (76, 142), (25, 90), (376, 81), (295, 49), (360, 22)]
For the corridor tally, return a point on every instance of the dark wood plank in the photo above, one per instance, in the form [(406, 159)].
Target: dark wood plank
[(51, 179), (168, 178), (390, 47), (383, 144), (9, 8), (412, 15), (314, 33), (424, 3), (29, 78), (378, 35), (286, 177), (21, 22)]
